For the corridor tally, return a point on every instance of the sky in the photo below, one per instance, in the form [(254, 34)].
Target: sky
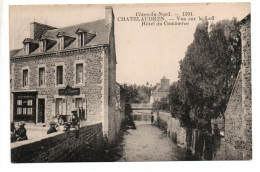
[(144, 53)]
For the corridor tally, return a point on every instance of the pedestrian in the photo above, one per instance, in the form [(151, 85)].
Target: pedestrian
[(216, 130), (152, 118), (52, 128), (74, 119), (21, 132)]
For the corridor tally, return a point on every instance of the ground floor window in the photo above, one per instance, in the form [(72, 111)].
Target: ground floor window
[(24, 107), (79, 103), (59, 106)]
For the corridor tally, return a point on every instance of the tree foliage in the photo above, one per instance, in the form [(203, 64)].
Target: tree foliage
[(207, 73), (163, 104), (137, 93)]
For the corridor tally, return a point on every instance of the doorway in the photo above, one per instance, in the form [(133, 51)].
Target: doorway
[(41, 110)]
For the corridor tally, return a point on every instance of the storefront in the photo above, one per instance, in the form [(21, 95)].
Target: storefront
[(24, 106)]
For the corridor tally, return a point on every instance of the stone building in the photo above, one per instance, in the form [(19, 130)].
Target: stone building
[(238, 115), (162, 90), (59, 69)]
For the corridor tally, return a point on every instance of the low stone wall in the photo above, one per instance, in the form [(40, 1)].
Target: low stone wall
[(199, 145), (173, 128), (57, 147)]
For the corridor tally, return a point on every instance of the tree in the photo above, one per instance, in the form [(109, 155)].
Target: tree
[(207, 73), (163, 104), (137, 93), (178, 108)]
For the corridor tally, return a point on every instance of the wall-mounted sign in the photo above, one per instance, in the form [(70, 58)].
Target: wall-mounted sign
[(69, 91)]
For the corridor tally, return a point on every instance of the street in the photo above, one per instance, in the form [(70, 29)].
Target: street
[(149, 143)]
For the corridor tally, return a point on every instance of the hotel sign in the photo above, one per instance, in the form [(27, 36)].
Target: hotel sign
[(69, 91)]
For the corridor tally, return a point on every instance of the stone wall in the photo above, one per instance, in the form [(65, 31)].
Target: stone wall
[(238, 115), (246, 84), (173, 128), (199, 145), (233, 121), (90, 91), (60, 147)]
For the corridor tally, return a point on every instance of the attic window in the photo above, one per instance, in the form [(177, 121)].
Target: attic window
[(61, 43), (42, 46), (26, 49), (80, 39)]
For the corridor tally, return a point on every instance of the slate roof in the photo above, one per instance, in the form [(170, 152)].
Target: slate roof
[(97, 27), (14, 52)]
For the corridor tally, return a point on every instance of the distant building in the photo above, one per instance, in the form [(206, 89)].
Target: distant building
[(59, 69), (162, 90)]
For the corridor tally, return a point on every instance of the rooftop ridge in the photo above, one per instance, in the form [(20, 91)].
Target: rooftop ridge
[(66, 27)]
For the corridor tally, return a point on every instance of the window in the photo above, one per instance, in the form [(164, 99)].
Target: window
[(78, 103), (29, 103), (42, 46), (59, 76), (58, 106), (19, 111), (41, 76), (25, 77), (29, 111), (19, 102), (79, 73), (24, 107), (27, 48), (80, 39), (61, 43)]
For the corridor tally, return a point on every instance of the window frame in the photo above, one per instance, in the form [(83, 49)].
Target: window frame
[(43, 66), (81, 39), (63, 74), (42, 46), (22, 77), (27, 48), (77, 62), (61, 43), (56, 106), (79, 81)]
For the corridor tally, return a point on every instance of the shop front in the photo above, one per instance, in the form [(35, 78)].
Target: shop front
[(24, 106)]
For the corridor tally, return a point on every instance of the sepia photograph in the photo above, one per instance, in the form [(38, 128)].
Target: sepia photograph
[(130, 82)]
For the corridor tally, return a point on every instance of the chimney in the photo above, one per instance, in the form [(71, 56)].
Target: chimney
[(109, 15), (38, 29)]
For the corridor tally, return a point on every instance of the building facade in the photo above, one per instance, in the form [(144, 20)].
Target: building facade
[(60, 69), (162, 90)]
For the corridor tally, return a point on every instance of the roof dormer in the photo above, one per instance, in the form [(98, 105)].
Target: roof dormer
[(30, 45), (42, 45), (84, 36), (63, 40)]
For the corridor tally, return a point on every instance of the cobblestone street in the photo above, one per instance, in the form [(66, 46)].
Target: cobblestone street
[(149, 143)]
